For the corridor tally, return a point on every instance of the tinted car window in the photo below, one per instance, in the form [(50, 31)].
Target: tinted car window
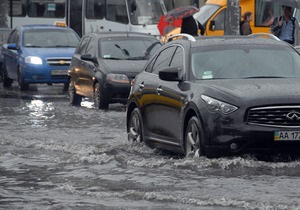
[(163, 59), (177, 60), (49, 38), (82, 46), (91, 48), (13, 37), (239, 62)]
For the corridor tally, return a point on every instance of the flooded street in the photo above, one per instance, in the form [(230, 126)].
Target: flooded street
[(57, 156)]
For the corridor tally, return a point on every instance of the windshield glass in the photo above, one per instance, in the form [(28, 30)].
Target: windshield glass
[(145, 11), (128, 49), (245, 62), (205, 12), (50, 38)]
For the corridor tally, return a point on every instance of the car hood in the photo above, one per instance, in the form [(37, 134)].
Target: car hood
[(271, 90), (128, 67), (50, 52)]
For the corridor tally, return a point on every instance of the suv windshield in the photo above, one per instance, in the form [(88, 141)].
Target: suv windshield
[(245, 62), (50, 38)]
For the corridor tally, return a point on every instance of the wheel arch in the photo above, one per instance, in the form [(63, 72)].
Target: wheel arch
[(190, 112), (131, 105)]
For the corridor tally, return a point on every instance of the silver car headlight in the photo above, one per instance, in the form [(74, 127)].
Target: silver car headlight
[(33, 60), (118, 78), (215, 105)]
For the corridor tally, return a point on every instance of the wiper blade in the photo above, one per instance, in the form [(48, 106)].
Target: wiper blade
[(113, 58), (61, 46), (137, 58), (262, 77)]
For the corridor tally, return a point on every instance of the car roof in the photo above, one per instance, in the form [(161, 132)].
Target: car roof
[(230, 40), (43, 26), (120, 34)]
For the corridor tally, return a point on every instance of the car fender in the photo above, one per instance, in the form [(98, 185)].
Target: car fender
[(191, 109)]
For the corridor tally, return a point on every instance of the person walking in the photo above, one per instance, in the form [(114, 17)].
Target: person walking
[(190, 26), (286, 27), (245, 27)]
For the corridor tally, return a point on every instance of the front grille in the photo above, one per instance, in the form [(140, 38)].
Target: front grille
[(277, 116), (59, 61)]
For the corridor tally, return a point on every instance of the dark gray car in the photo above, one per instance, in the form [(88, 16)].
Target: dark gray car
[(104, 65)]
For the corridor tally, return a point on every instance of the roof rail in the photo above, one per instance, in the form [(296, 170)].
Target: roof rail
[(186, 36), (263, 35)]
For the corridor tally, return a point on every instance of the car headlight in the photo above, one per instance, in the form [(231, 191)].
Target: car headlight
[(119, 78), (215, 105), (33, 60)]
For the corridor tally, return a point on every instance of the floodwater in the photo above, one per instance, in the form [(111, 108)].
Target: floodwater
[(56, 156)]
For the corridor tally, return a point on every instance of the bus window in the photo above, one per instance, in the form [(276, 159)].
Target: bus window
[(265, 12), (145, 11), (18, 8), (95, 9), (46, 8), (116, 11)]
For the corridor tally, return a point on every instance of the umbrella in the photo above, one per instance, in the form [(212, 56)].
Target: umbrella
[(181, 12), (291, 3), (163, 23)]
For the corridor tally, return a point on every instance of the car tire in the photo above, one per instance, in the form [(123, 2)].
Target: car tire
[(193, 139), (66, 86), (74, 98), (100, 100), (7, 82), (22, 84), (135, 129)]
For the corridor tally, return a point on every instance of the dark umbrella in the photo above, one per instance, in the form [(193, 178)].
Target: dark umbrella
[(291, 3), (181, 12)]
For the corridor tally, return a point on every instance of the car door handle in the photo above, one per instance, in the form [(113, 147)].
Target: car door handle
[(159, 90), (141, 85)]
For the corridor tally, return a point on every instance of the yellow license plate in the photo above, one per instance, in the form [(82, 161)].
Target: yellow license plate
[(286, 135)]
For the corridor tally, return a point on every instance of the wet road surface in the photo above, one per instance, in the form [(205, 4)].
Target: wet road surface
[(57, 156)]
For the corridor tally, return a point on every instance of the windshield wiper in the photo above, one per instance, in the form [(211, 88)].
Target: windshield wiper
[(113, 58), (61, 46), (261, 77), (137, 58)]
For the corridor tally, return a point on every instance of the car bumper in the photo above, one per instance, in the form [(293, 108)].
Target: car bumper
[(118, 92), (45, 74), (246, 138)]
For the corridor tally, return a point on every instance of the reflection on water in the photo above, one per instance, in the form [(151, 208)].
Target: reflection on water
[(57, 156), (39, 112)]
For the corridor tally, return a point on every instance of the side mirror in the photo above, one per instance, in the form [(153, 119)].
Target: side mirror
[(170, 74), (212, 25), (88, 57), (12, 46)]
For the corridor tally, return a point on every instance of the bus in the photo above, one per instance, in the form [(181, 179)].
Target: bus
[(212, 15), (85, 16)]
